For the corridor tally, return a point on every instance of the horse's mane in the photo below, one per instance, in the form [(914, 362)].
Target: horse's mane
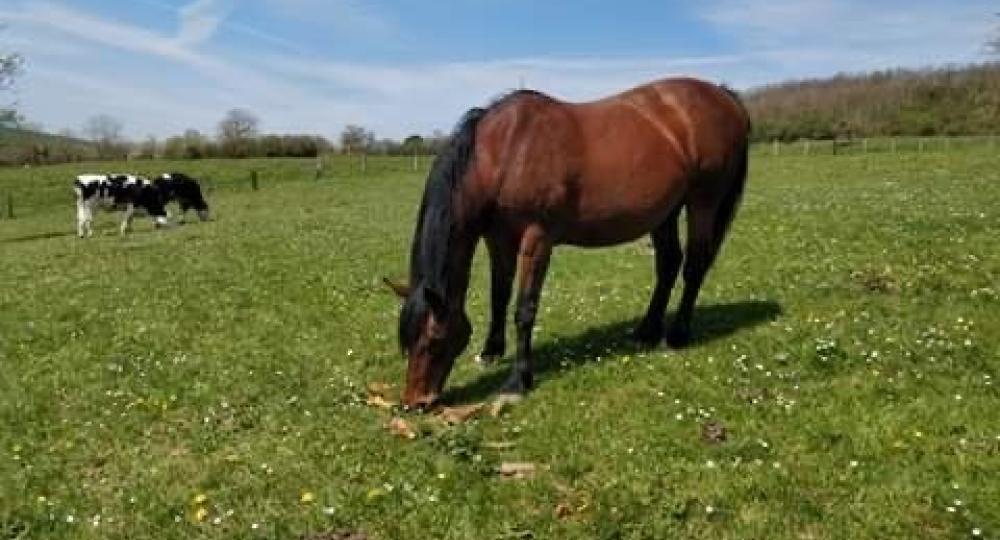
[(432, 239)]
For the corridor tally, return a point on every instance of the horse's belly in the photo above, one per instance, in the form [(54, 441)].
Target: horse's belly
[(608, 232), (622, 213)]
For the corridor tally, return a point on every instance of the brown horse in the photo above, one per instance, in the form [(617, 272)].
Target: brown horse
[(530, 172)]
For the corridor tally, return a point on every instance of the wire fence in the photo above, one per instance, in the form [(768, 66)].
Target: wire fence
[(28, 191), (883, 145)]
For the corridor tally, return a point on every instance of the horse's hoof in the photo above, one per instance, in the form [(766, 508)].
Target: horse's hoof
[(678, 339), (649, 338), (518, 384)]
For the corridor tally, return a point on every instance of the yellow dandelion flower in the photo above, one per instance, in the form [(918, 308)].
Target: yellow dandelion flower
[(200, 498), (200, 515), (307, 497)]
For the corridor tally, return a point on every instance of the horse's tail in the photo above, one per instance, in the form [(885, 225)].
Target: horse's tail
[(731, 199)]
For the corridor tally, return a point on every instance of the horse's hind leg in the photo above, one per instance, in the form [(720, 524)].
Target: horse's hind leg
[(503, 264), (702, 246), (668, 255)]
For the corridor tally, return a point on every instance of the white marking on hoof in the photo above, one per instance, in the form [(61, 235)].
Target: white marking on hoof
[(486, 360), (508, 399)]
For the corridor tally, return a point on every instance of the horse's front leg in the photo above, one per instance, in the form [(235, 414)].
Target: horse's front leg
[(533, 262), (503, 264)]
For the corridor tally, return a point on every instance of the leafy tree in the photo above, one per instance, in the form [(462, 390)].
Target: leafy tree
[(414, 144)]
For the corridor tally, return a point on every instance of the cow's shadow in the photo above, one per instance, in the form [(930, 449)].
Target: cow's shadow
[(551, 356), (37, 236)]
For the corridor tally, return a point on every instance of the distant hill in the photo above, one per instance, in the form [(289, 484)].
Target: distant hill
[(947, 101), (19, 146)]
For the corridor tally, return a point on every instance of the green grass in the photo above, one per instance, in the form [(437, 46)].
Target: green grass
[(847, 339)]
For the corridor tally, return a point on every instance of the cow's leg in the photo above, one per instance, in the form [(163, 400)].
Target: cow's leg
[(127, 219), (82, 217)]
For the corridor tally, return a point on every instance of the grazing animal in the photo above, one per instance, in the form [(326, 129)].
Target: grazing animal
[(116, 192), (530, 172), (185, 190)]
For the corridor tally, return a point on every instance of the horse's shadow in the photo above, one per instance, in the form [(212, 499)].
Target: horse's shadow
[(710, 323)]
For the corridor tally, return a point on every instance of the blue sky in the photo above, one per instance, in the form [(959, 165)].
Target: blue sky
[(412, 66)]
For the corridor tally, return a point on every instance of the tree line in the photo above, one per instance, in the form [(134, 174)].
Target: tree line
[(955, 100), (237, 136)]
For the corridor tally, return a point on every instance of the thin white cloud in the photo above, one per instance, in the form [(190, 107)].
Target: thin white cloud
[(816, 37), (200, 19), (353, 17), (93, 29), (174, 82)]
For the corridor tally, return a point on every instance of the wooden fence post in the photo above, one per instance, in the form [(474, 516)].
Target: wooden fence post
[(364, 163), (253, 180), (414, 162), (805, 148), (10, 206), (920, 144), (864, 145), (892, 145), (776, 147), (319, 167)]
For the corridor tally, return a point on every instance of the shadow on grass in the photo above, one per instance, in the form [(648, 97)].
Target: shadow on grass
[(709, 323), (37, 236)]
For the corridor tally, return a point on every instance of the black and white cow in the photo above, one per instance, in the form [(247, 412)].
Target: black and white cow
[(116, 192), (185, 190)]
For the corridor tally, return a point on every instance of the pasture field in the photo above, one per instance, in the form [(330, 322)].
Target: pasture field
[(209, 381)]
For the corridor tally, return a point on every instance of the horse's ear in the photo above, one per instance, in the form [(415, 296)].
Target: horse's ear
[(402, 291)]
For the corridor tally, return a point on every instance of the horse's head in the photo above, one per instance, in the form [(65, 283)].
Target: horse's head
[(432, 334)]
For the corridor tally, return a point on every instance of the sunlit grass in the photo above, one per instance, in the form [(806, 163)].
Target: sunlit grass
[(209, 381)]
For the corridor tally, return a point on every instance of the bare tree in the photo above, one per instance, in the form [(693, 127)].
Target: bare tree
[(11, 64), (106, 131), (993, 44), (148, 148), (237, 131), (356, 138)]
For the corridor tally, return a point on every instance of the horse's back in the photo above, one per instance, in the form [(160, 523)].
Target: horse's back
[(611, 170)]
